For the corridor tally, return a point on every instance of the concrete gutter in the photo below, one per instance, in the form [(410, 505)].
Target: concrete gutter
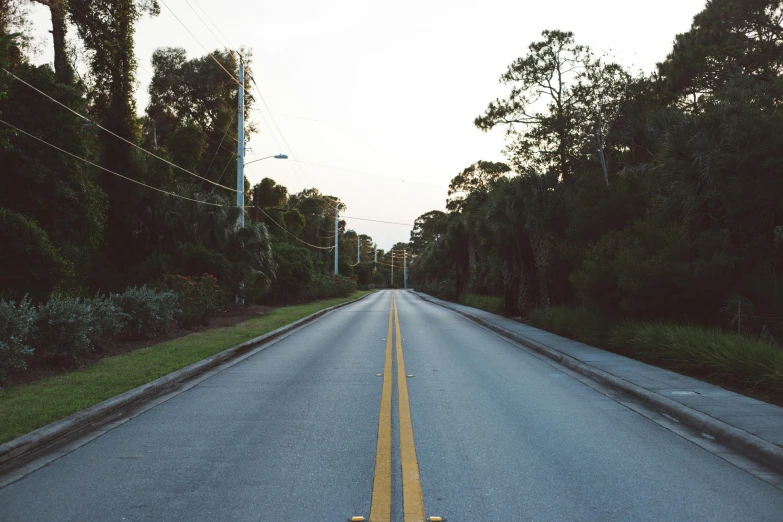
[(746, 443), (52, 433)]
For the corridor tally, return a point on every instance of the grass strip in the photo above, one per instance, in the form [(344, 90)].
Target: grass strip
[(28, 407)]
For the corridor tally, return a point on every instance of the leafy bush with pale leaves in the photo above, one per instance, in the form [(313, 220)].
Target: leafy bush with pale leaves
[(149, 311), (62, 328), (16, 322)]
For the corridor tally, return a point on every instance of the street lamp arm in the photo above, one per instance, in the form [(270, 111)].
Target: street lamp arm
[(276, 156)]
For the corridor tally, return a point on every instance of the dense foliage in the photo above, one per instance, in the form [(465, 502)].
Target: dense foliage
[(645, 197), (142, 200)]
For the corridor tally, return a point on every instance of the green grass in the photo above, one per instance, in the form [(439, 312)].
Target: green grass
[(483, 302), (31, 406)]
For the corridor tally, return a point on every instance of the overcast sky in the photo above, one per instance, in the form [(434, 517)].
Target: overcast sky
[(382, 96)]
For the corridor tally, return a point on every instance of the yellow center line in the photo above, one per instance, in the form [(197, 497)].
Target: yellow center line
[(380, 507), (412, 497)]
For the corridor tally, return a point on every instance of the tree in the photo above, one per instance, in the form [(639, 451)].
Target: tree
[(729, 38), (539, 111), (55, 190), (62, 68), (476, 178), (427, 228), (198, 93), (560, 107)]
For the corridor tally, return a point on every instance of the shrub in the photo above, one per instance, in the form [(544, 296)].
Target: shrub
[(323, 286), (149, 312), (107, 321), (483, 302), (294, 271), (199, 298), (16, 322), (753, 362), (29, 264), (580, 324), (63, 328)]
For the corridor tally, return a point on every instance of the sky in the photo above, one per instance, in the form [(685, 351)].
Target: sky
[(374, 101)]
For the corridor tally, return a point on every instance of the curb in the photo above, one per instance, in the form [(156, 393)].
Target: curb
[(742, 441), (51, 433)]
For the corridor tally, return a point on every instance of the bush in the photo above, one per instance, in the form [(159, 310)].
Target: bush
[(199, 298), (63, 328), (580, 324), (16, 322), (483, 302), (294, 272), (107, 321), (752, 362), (649, 271), (446, 290), (323, 286), (149, 312), (29, 264)]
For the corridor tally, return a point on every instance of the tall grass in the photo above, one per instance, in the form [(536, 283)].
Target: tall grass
[(752, 362), (483, 302)]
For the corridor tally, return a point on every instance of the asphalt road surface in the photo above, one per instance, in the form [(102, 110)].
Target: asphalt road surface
[(474, 429)]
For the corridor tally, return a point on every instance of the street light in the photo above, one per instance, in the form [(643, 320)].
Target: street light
[(276, 156)]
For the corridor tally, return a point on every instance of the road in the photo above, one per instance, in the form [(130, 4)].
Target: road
[(474, 429)]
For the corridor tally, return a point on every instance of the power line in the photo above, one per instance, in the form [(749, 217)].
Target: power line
[(292, 235), (85, 118), (152, 76), (370, 174), (202, 45), (205, 25), (214, 24), (282, 136), (379, 221), (110, 171), (221, 143)]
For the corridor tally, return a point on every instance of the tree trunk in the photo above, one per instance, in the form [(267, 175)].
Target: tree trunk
[(541, 255), (62, 69), (472, 264)]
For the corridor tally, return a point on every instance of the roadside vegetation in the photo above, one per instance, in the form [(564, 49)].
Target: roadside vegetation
[(483, 302), (89, 258), (28, 407), (635, 212)]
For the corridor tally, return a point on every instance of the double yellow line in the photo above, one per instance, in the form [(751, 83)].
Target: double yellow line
[(412, 497)]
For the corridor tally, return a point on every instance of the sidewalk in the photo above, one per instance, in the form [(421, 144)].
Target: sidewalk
[(751, 416)]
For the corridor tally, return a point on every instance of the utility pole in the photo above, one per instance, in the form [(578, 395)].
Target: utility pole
[(241, 150), (336, 226), (392, 269), (241, 144), (358, 249), (375, 259), (405, 270)]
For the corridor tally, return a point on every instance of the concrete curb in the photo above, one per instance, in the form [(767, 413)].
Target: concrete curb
[(54, 432), (739, 440)]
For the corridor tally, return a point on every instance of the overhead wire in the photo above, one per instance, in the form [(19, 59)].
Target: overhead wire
[(152, 76), (202, 45), (207, 26), (85, 118), (378, 221), (221, 143), (110, 171), (214, 25), (292, 235)]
